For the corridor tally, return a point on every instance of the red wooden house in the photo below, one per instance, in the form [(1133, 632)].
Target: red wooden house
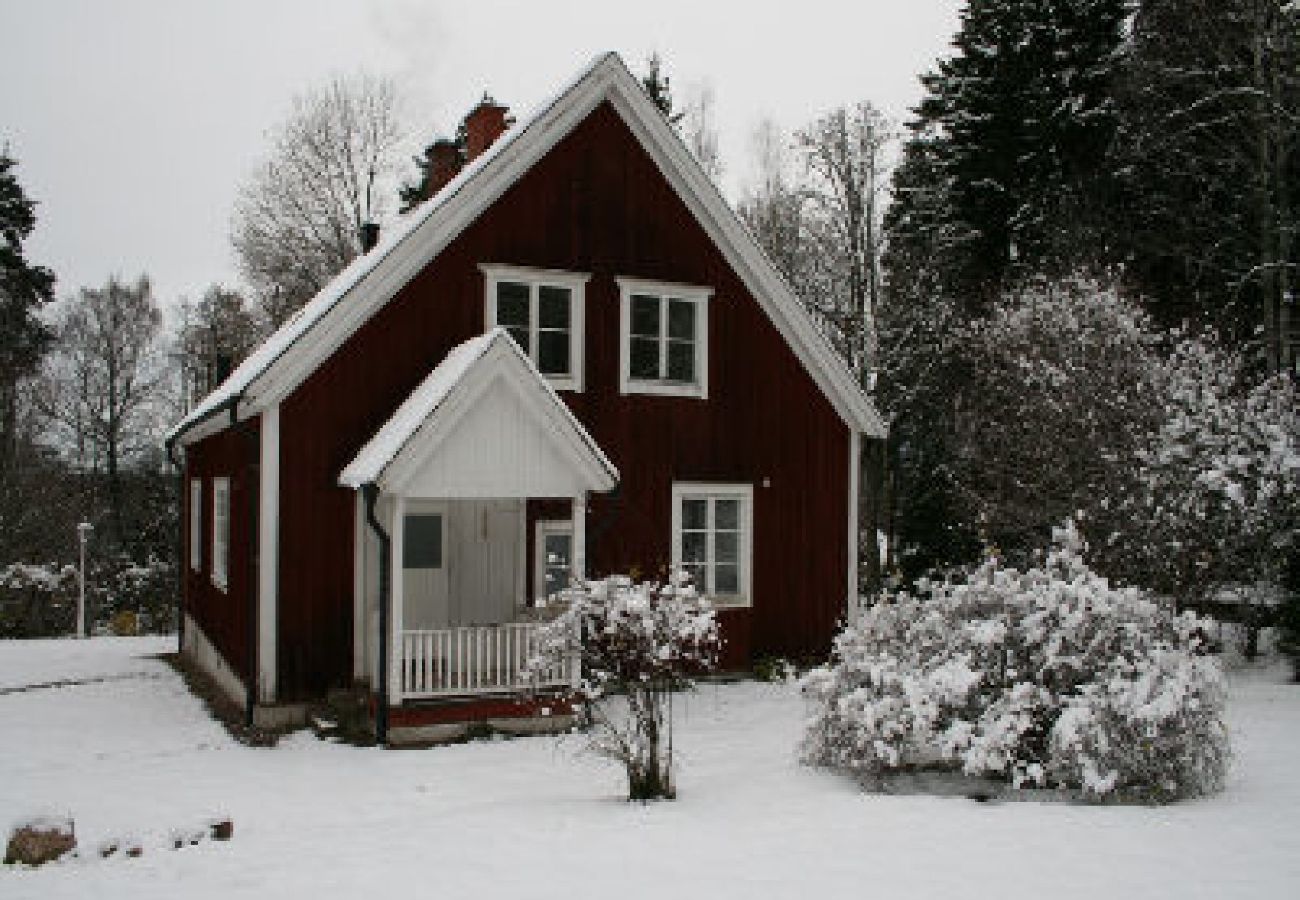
[(571, 359)]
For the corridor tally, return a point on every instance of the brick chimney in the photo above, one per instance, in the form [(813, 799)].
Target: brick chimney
[(485, 123), (444, 162)]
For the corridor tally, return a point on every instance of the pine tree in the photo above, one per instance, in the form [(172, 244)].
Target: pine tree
[(24, 288), (1205, 217), (1008, 141), (659, 87)]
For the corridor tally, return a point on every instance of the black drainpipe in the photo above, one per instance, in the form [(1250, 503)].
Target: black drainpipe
[(371, 494)]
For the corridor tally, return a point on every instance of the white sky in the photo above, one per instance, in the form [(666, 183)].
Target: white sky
[(133, 122)]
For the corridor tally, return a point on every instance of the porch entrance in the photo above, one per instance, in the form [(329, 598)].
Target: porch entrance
[(462, 562)]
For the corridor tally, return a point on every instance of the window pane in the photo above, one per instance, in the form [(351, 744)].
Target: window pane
[(725, 547), (694, 512), (681, 320), (726, 579), (698, 573), (556, 580), (512, 305), (557, 550), (693, 546), (552, 307), (726, 513), (681, 361), (521, 338), (422, 542), (645, 315), (553, 352), (645, 358)]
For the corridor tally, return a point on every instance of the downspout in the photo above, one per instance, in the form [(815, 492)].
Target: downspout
[(370, 492)]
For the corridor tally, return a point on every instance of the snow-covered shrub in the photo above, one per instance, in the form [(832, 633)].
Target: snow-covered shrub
[(146, 590), (1217, 496), (642, 642), (37, 600), (1048, 676)]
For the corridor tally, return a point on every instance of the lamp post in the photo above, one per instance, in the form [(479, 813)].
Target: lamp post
[(83, 533)]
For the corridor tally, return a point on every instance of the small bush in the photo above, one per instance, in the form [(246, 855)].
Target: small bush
[(1043, 677), (642, 641)]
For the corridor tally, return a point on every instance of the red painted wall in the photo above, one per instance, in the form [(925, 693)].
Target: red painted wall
[(596, 204), (223, 614)]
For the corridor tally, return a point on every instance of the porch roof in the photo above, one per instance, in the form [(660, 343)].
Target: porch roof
[(483, 423)]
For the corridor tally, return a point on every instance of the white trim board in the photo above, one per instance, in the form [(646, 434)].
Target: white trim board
[(286, 359)]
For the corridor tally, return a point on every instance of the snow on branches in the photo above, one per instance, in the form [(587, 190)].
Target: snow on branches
[(1044, 677), (641, 642)]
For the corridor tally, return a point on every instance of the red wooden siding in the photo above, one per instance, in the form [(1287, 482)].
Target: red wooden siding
[(223, 615), (596, 204)]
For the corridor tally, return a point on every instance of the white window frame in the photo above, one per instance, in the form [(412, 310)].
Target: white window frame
[(664, 290), (546, 528), (743, 492), (574, 282), (196, 524), (221, 532)]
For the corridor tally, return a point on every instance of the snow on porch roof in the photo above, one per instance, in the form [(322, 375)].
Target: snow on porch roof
[(425, 402)]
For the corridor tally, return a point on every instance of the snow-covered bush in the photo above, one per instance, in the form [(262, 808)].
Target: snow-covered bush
[(37, 600), (1217, 496), (642, 642), (1049, 676)]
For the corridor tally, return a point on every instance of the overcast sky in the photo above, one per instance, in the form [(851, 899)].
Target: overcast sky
[(134, 121)]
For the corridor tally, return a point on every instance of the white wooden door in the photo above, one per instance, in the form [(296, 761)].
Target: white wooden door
[(487, 582), (425, 566)]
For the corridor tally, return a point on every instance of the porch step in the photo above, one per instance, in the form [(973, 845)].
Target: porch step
[(344, 716)]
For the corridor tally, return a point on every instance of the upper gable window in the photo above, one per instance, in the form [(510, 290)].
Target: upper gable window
[(543, 311), (664, 338)]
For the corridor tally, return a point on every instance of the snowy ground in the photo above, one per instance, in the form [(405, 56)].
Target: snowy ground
[(135, 756)]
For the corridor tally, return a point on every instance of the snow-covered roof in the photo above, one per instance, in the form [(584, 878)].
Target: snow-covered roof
[(433, 396), (308, 338)]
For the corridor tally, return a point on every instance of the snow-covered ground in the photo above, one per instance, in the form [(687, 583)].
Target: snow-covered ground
[(135, 756)]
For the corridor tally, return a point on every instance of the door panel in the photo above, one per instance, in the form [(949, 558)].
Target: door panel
[(425, 565)]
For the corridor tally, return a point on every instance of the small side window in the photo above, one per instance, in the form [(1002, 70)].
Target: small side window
[(221, 532), (196, 524)]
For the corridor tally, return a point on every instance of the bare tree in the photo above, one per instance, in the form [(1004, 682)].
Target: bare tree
[(298, 219), (213, 335), (103, 387), (844, 154), (774, 208), (700, 131)]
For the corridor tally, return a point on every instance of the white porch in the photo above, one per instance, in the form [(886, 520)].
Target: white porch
[(442, 536)]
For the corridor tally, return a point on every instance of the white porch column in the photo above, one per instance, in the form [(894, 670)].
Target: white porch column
[(395, 661), (580, 536)]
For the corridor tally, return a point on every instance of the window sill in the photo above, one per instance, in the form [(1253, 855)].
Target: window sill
[(728, 601), (664, 389)]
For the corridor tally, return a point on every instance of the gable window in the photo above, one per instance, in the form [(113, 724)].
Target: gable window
[(712, 539), (664, 338), (221, 532), (196, 524), (543, 311), (554, 559)]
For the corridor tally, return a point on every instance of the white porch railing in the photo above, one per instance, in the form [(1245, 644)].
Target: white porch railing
[(474, 659)]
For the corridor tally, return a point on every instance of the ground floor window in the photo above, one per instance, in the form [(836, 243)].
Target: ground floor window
[(554, 558), (711, 538), (221, 532), (196, 524)]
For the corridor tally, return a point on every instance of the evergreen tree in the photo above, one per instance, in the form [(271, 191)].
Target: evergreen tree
[(1009, 139), (1205, 216), (659, 87), (24, 288)]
